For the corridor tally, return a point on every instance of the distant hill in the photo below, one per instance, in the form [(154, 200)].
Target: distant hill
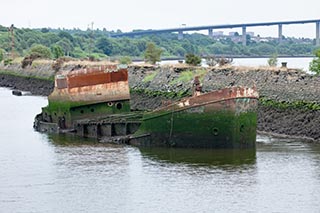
[(98, 43)]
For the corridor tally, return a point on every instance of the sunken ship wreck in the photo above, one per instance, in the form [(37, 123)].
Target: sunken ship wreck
[(95, 102)]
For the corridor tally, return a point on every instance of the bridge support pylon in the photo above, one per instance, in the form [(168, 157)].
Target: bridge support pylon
[(210, 32), (280, 33), (180, 35), (318, 33), (244, 35)]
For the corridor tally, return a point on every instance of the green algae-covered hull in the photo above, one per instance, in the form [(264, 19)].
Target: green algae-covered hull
[(221, 119)]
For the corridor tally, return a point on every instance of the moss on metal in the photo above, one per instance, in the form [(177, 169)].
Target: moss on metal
[(71, 111), (222, 129)]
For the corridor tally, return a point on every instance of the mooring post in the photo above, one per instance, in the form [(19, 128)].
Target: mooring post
[(244, 36)]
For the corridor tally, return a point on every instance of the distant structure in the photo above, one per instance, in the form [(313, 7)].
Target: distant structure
[(218, 33), (210, 29)]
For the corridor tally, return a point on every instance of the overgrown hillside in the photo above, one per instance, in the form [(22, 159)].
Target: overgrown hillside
[(98, 43)]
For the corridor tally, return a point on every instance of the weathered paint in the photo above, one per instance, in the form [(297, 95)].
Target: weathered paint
[(91, 85), (94, 102), (226, 119), (87, 93)]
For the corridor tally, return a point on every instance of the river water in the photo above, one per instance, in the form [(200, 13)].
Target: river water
[(43, 173), (295, 63)]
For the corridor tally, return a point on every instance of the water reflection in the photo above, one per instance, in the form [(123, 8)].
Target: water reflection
[(70, 140), (209, 157), (83, 155)]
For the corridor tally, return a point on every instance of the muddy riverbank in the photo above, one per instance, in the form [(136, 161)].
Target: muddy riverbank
[(151, 86)]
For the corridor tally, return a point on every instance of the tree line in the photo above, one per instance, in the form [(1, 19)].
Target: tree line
[(99, 44)]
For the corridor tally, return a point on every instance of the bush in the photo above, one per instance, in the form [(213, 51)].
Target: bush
[(273, 61), (27, 61), (193, 59), (7, 61), (315, 63), (125, 60), (40, 51)]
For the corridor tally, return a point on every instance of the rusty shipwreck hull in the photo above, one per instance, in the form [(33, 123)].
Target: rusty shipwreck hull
[(85, 93), (225, 118), (94, 102)]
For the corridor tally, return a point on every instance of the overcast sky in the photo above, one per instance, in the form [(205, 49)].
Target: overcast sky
[(127, 15)]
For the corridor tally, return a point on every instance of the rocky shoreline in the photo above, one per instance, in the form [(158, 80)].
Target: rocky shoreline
[(151, 86)]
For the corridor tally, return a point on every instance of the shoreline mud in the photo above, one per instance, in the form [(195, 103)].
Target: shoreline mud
[(152, 86)]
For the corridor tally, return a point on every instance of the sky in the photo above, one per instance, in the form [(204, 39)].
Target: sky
[(128, 15)]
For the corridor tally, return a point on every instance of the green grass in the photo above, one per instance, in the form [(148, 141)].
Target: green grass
[(290, 105), (149, 77), (7, 72), (188, 76)]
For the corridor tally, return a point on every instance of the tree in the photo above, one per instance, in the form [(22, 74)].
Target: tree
[(193, 59), (104, 45), (315, 63), (44, 30), (40, 51), (56, 51), (66, 46), (63, 34), (152, 53)]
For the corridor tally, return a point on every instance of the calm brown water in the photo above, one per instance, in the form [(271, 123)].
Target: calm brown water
[(41, 173)]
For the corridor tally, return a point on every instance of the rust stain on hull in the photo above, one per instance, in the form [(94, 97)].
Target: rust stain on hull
[(221, 98), (92, 85)]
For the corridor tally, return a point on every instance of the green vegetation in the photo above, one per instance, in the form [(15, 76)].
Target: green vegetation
[(7, 61), (315, 63), (98, 44), (57, 51), (149, 77), (6, 72), (287, 105), (170, 95), (273, 61), (188, 76), (153, 53), (125, 60), (1, 54), (40, 51), (193, 59)]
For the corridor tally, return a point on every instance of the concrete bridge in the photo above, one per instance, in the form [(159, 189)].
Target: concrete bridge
[(210, 29)]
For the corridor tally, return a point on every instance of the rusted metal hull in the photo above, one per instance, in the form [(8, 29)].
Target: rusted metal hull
[(94, 102), (221, 119), (86, 86), (87, 93)]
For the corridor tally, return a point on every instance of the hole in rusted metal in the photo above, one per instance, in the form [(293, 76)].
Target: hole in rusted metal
[(215, 131), (92, 110), (81, 111), (119, 105), (241, 128), (110, 104)]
